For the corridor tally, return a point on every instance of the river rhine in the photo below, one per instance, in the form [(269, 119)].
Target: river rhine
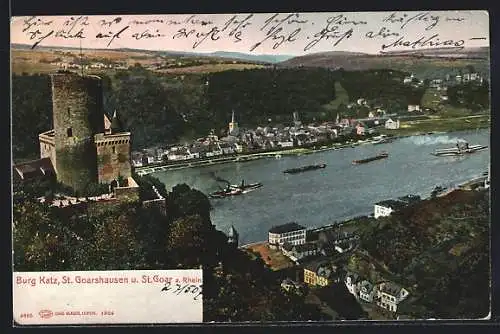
[(338, 192)]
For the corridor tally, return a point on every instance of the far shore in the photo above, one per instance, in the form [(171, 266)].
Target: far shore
[(296, 151)]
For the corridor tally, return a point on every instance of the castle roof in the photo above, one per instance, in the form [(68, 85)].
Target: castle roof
[(35, 168), (107, 122), (116, 125)]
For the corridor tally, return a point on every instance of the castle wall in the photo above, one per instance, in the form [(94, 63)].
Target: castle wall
[(48, 147), (78, 116), (113, 152)]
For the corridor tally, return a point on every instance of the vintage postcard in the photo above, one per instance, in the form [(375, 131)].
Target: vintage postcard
[(268, 167)]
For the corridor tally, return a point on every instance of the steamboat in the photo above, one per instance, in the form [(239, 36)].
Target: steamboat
[(460, 149)]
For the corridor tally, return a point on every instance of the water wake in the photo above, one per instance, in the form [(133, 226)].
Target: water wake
[(430, 140)]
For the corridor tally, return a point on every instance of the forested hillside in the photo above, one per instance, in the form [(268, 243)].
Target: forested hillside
[(168, 108), (128, 236), (439, 249)]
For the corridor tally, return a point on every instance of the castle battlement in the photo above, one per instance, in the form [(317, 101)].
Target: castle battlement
[(84, 146), (102, 139)]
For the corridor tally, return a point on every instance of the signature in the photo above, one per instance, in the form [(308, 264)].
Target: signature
[(423, 41), (178, 289)]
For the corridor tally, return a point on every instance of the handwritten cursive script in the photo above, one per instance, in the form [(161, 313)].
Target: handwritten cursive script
[(275, 31), (193, 289)]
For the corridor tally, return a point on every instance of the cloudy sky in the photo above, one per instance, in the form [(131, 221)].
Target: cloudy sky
[(280, 33)]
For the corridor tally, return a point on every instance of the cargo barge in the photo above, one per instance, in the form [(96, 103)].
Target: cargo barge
[(377, 157)]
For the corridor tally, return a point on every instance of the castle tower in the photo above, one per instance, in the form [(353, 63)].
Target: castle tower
[(113, 152), (233, 237), (233, 126), (78, 116)]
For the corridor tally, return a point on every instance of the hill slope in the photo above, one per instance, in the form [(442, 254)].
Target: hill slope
[(424, 63)]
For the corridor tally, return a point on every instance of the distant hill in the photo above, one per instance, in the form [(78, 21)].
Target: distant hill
[(423, 62), (251, 57), (257, 58)]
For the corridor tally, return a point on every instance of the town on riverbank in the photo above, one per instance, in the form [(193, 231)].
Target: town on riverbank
[(333, 258)]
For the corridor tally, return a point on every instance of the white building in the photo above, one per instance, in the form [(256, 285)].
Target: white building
[(285, 143), (413, 107), (389, 295), (351, 282), (392, 125), (385, 208), (366, 291), (298, 252), (291, 233)]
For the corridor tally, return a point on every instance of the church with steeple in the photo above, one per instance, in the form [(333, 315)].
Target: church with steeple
[(233, 126)]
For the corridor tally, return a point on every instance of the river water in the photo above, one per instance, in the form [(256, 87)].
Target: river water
[(338, 192)]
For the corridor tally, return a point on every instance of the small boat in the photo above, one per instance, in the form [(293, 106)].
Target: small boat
[(382, 155), (226, 193), (245, 187), (460, 149), (235, 190), (304, 169)]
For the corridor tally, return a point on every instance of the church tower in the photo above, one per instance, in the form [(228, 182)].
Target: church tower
[(233, 126), (232, 237), (296, 120)]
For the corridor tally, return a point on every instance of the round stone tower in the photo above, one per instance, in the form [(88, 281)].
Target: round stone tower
[(78, 116)]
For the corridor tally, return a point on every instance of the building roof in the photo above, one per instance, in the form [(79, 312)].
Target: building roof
[(35, 168), (107, 122), (308, 246), (366, 286), (354, 277), (316, 265), (393, 204), (285, 228), (390, 288)]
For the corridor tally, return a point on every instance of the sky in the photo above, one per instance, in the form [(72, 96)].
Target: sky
[(297, 34)]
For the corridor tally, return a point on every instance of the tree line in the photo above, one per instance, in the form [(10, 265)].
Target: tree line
[(166, 108), (128, 236)]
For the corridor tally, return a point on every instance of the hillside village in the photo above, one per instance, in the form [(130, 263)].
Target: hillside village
[(240, 139), (316, 259)]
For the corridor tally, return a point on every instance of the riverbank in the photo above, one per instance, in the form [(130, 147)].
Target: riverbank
[(437, 124), (362, 220), (273, 154)]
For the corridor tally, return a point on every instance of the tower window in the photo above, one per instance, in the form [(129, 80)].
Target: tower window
[(114, 149), (69, 114), (69, 132)]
